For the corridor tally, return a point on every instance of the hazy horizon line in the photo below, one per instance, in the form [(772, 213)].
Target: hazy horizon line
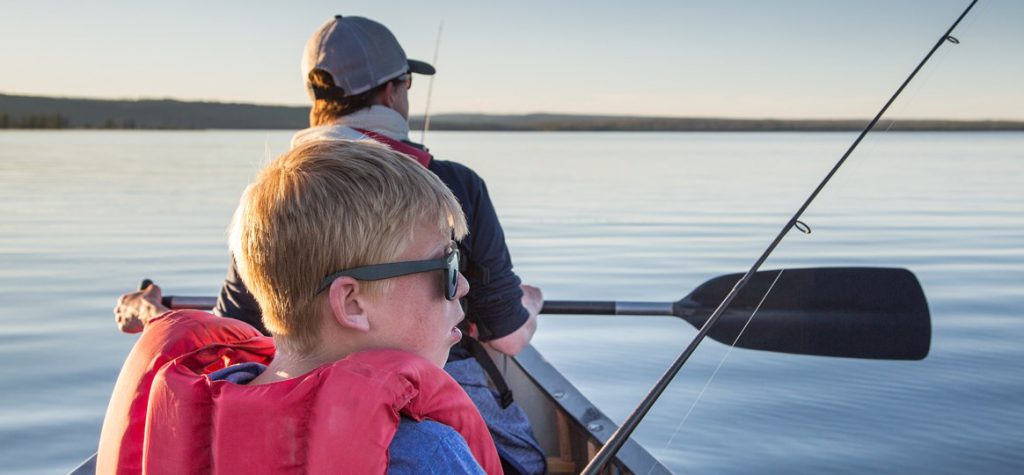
[(559, 113)]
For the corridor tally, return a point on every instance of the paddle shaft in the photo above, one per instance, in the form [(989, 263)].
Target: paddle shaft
[(183, 302), (620, 436), (583, 307), (565, 307), (849, 312)]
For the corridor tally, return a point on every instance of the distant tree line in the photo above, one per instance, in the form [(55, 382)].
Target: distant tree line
[(58, 121), (32, 112), (33, 121)]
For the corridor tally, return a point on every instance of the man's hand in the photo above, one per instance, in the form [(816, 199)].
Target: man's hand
[(512, 344), (135, 309), (533, 299)]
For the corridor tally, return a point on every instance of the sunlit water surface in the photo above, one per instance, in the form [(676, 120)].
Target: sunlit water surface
[(85, 215)]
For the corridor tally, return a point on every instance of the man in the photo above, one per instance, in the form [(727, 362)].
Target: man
[(358, 77), (341, 244)]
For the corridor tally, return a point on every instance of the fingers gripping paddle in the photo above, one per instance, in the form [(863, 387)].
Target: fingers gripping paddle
[(852, 312)]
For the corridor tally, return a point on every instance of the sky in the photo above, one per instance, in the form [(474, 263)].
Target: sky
[(683, 58)]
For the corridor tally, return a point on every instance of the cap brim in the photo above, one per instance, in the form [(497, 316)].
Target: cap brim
[(419, 67)]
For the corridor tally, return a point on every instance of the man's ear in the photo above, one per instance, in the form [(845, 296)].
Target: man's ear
[(387, 95), (348, 300)]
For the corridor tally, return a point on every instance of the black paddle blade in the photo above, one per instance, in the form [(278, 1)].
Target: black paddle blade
[(852, 312)]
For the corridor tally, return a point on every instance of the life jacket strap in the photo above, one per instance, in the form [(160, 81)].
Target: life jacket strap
[(479, 353)]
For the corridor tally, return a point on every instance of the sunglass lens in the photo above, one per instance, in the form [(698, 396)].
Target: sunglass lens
[(452, 276)]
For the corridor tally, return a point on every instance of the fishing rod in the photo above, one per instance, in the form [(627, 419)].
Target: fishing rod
[(430, 86), (620, 436)]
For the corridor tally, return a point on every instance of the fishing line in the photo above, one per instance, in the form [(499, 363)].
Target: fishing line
[(619, 437), (915, 92), (912, 98), (804, 228), (872, 146), (940, 59), (720, 364)]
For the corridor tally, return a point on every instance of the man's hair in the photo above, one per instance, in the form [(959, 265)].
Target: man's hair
[(331, 103), (324, 207)]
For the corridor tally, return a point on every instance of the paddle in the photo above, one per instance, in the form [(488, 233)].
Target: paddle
[(851, 312)]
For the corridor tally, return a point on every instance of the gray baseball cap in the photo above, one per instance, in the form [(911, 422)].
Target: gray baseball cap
[(359, 53)]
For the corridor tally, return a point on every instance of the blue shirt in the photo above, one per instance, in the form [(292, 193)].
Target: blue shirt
[(418, 448), (429, 448)]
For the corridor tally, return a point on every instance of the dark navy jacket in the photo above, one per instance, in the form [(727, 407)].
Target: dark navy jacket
[(494, 299)]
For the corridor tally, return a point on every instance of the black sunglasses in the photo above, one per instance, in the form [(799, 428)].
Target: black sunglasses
[(449, 263), (406, 78)]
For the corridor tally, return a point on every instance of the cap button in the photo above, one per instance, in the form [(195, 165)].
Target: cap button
[(337, 17)]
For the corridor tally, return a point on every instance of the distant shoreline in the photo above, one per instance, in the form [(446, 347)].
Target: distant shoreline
[(36, 112)]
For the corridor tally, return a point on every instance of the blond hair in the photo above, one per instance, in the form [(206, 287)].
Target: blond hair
[(324, 207)]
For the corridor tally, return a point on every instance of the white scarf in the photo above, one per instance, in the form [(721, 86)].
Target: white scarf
[(380, 119)]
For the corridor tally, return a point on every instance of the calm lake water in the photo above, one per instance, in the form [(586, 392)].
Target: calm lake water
[(84, 216)]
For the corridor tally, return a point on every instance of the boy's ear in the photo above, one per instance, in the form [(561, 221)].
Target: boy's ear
[(347, 301)]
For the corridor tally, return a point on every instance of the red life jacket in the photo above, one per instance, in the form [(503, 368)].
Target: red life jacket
[(419, 155), (339, 418)]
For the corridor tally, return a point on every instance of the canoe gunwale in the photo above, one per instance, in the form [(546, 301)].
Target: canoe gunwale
[(632, 457)]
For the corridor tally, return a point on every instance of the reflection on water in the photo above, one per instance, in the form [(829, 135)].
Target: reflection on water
[(86, 215)]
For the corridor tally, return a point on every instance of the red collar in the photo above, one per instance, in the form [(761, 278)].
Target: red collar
[(421, 156)]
